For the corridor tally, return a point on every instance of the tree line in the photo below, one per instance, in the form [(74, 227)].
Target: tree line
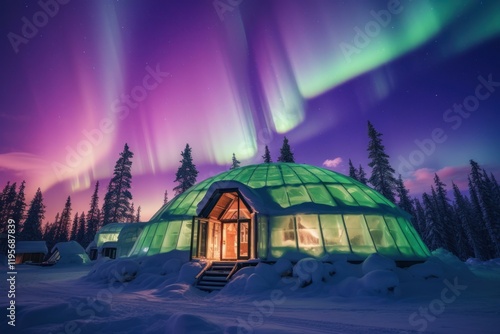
[(468, 226)]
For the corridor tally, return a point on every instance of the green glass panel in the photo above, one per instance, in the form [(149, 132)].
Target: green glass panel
[(274, 177), (306, 176), (342, 179), (378, 198), (289, 175), (258, 178), (192, 209), (186, 204), (172, 236), (420, 241), (309, 235), (398, 236), (360, 197), (322, 175), (297, 194), (283, 237), (404, 224), (184, 242), (158, 237), (358, 235), (381, 236), (263, 233), (280, 196), (320, 195), (139, 244), (245, 175), (149, 238), (334, 234), (340, 194)]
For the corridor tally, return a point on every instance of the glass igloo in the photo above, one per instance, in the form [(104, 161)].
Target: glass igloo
[(267, 211)]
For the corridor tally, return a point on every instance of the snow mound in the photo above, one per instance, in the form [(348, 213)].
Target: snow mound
[(283, 267), (377, 262), (308, 271), (188, 323)]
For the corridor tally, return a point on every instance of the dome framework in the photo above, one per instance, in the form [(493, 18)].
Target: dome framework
[(267, 211)]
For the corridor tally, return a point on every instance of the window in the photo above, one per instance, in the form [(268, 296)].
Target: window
[(358, 234), (334, 235)]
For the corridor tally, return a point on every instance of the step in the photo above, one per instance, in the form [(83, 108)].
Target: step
[(217, 272), (214, 278), (211, 283), (209, 288)]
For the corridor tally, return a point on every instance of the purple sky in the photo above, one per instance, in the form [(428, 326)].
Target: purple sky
[(81, 78)]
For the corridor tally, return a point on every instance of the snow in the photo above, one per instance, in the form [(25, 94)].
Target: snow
[(70, 252), (155, 295), (23, 247)]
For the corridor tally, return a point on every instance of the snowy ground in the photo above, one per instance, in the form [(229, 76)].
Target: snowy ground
[(441, 296)]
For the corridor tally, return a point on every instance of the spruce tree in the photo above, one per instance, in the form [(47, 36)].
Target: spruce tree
[(353, 172), (19, 206), (362, 175), (435, 237), (475, 237), (487, 207), (8, 204), (93, 215), (62, 232), (286, 154), (382, 178), (419, 222), (132, 213), (445, 216), (165, 197), (32, 229), (80, 234), (267, 156), (138, 216), (116, 207), (187, 172), (74, 228), (404, 200), (235, 162)]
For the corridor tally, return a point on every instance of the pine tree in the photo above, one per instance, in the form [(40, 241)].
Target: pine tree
[(286, 154), (80, 234), (187, 172), (74, 228), (444, 209), (435, 237), (132, 213), (93, 215), (32, 230), (382, 177), (116, 207), (404, 200), (138, 216), (267, 156), (165, 197), (8, 204), (19, 206), (488, 208), (475, 239), (362, 175), (235, 162), (62, 232), (353, 172), (419, 222)]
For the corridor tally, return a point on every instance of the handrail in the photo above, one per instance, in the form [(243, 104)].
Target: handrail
[(202, 272), (233, 271)]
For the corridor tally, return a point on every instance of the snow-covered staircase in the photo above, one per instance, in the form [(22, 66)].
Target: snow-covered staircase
[(216, 276)]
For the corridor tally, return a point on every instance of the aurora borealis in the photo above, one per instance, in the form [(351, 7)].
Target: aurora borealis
[(235, 75)]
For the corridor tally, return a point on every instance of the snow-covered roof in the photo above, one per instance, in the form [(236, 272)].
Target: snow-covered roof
[(23, 247)]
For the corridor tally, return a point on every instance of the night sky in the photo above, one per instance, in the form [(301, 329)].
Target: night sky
[(81, 78)]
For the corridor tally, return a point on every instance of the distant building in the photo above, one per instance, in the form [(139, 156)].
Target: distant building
[(30, 251)]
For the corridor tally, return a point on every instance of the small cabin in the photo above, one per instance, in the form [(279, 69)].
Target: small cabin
[(30, 251)]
